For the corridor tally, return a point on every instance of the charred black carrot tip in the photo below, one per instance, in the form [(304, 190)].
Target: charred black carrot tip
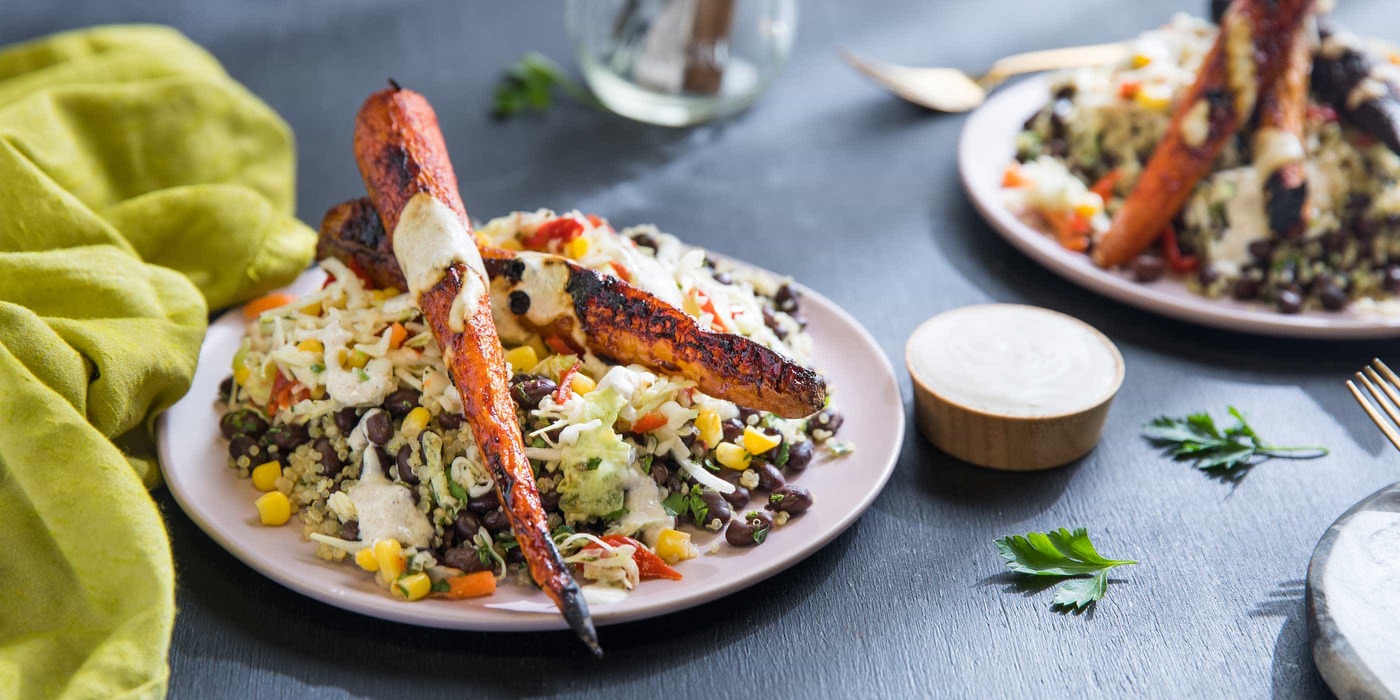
[(395, 84), (576, 613)]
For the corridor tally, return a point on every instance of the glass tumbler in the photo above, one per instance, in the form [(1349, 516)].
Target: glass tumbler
[(680, 62)]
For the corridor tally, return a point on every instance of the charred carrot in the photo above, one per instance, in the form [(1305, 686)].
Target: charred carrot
[(256, 307), (1278, 141), (404, 161), (1250, 50)]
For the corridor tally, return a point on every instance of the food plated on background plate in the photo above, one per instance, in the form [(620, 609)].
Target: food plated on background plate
[(1259, 182), (660, 400)]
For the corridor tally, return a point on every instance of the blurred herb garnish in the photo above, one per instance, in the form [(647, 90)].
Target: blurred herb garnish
[(1196, 439), (528, 86)]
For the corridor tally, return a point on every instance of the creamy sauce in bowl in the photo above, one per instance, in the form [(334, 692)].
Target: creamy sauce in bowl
[(1014, 360)]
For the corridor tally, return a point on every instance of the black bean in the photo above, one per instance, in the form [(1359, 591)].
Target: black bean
[(749, 416), (485, 503), (529, 390), (350, 530), (800, 318), (549, 500), (466, 525), (643, 239), (406, 473), (799, 455), (464, 557), (379, 428), (772, 322), (346, 419), (244, 446), (750, 530), (739, 497), (790, 499), (733, 430), (1365, 229), (827, 420), (519, 302), (1391, 279), (286, 436), (1332, 297), (716, 509), (1262, 249), (226, 389), (451, 421), (1147, 268), (659, 472), (1208, 275), (724, 278), (244, 421), (401, 402), (1246, 288), (1290, 302), (770, 478), (496, 521), (330, 461), (515, 556), (786, 299)]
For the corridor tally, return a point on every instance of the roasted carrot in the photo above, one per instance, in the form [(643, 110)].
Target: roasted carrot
[(616, 319), (397, 334), (256, 307), (1278, 140), (404, 161), (473, 585), (649, 422), (1250, 50)]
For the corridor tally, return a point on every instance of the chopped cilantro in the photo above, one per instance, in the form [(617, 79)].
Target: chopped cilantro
[(456, 490), (646, 464), (561, 532), (617, 514), (775, 498), (593, 463), (441, 586), (318, 368), (676, 503), (783, 453), (361, 374)]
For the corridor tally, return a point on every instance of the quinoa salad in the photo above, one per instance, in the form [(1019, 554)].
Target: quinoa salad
[(1080, 156), (341, 411)]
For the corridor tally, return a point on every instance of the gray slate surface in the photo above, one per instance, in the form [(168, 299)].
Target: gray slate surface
[(856, 195)]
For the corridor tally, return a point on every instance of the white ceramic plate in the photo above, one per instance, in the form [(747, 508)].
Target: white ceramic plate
[(988, 144), (195, 461)]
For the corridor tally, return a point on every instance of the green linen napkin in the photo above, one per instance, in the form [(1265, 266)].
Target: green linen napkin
[(140, 188)]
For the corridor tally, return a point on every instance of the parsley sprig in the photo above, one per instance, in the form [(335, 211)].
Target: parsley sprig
[(1062, 553), (529, 84), (1196, 439)]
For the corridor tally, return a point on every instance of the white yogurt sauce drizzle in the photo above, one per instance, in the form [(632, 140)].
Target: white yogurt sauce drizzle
[(385, 510), (429, 239), (1013, 360)]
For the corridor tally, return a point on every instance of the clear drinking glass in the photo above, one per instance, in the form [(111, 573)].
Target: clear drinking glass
[(680, 62)]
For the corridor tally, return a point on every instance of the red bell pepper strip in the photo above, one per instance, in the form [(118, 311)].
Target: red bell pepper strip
[(1176, 260), (649, 566), (649, 422), (563, 229), (563, 391)]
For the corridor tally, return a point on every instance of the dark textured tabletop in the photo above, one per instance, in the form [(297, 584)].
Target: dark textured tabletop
[(856, 195)]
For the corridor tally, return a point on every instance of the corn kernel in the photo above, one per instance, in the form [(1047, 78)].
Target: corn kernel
[(265, 475), (732, 456), (413, 586), (354, 359), (311, 345), (273, 508), (241, 373), (541, 350), (365, 558), (1155, 97), (389, 555), (1088, 209), (576, 248), (318, 392), (711, 432), (1141, 60), (522, 358), (415, 422), (757, 442), (385, 293), (312, 309), (582, 383), (674, 546)]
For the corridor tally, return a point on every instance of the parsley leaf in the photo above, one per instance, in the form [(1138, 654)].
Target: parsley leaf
[(456, 490), (441, 586), (528, 86), (676, 503), (1198, 440), (1061, 553)]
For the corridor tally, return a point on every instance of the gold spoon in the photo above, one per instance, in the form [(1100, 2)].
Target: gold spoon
[(951, 90)]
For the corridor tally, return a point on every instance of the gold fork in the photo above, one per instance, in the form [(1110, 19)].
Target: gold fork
[(1382, 383)]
